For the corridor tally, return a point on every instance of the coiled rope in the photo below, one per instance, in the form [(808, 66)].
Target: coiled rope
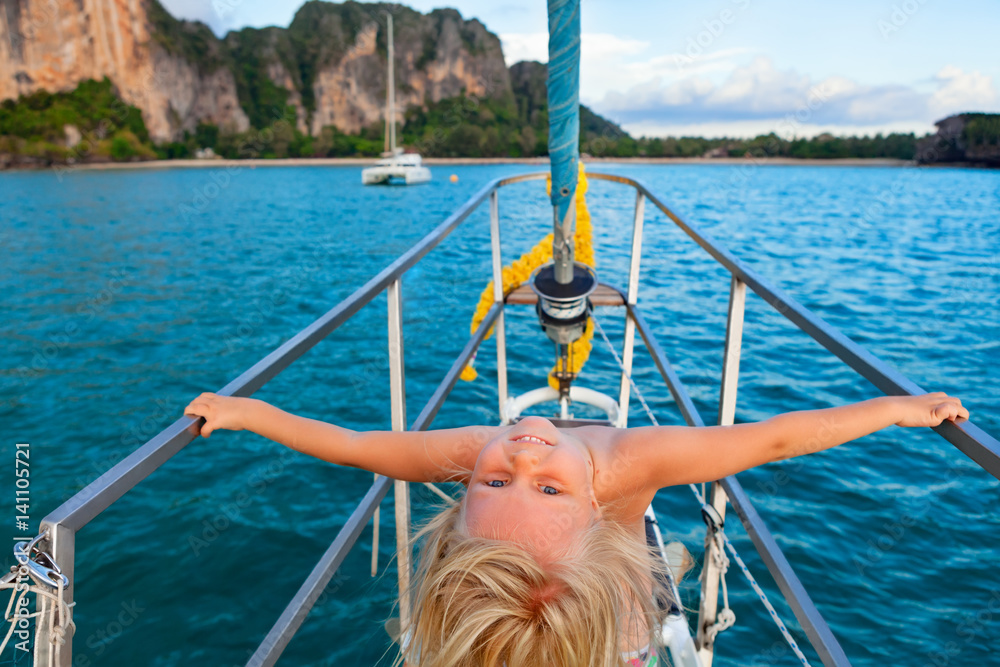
[(520, 271), (46, 614), (725, 618)]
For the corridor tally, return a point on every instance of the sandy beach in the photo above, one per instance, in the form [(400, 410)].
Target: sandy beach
[(364, 162)]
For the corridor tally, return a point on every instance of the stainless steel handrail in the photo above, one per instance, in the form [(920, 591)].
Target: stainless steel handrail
[(816, 628), (97, 496), (295, 612), (72, 515), (66, 520), (712, 573), (970, 439)]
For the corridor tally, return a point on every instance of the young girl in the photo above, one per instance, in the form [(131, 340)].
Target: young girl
[(544, 562)]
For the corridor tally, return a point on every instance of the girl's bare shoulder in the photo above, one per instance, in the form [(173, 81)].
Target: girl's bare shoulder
[(618, 484)]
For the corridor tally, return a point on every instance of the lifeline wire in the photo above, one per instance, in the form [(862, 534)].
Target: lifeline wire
[(701, 499)]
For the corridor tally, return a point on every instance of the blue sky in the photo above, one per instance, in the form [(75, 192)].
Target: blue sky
[(742, 67)]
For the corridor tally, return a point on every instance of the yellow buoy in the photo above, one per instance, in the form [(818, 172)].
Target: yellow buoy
[(454, 178)]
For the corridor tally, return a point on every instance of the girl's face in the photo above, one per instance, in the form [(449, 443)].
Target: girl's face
[(532, 485)]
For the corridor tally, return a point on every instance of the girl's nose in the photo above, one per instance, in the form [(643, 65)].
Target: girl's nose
[(525, 458)]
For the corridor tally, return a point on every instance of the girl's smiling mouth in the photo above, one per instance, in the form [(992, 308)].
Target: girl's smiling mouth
[(531, 438)]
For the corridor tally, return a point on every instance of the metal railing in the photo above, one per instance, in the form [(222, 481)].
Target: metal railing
[(66, 520), (966, 436)]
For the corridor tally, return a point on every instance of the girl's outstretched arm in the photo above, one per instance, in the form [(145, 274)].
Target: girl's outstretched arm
[(405, 455), (668, 455)]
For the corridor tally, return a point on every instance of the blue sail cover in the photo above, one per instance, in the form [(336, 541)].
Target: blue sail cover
[(564, 101)]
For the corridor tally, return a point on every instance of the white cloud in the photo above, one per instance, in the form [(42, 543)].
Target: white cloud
[(198, 10), (754, 128), (525, 46), (759, 87), (597, 46), (225, 15), (610, 63), (602, 73), (967, 91), (594, 47), (753, 91), (678, 65), (758, 95)]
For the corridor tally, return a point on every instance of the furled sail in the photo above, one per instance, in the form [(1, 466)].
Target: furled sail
[(564, 127)]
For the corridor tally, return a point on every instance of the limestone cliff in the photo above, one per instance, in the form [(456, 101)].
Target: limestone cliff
[(332, 60), (329, 64), (55, 44)]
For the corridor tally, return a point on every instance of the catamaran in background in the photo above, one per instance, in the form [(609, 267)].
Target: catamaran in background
[(395, 165)]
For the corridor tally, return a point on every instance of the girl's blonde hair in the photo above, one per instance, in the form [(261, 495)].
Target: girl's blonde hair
[(479, 602)]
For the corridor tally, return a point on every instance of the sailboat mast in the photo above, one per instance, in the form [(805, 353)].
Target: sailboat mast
[(391, 115)]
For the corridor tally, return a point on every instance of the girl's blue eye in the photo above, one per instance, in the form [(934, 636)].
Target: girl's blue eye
[(552, 491), (495, 483)]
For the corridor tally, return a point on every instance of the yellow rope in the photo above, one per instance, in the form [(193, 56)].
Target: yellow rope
[(520, 270)]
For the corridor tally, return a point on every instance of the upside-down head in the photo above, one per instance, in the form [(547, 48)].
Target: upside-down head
[(532, 485), (525, 571)]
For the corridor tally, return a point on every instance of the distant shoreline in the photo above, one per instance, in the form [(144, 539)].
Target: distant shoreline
[(439, 161)]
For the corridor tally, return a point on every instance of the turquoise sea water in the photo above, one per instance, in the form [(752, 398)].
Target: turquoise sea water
[(127, 293)]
